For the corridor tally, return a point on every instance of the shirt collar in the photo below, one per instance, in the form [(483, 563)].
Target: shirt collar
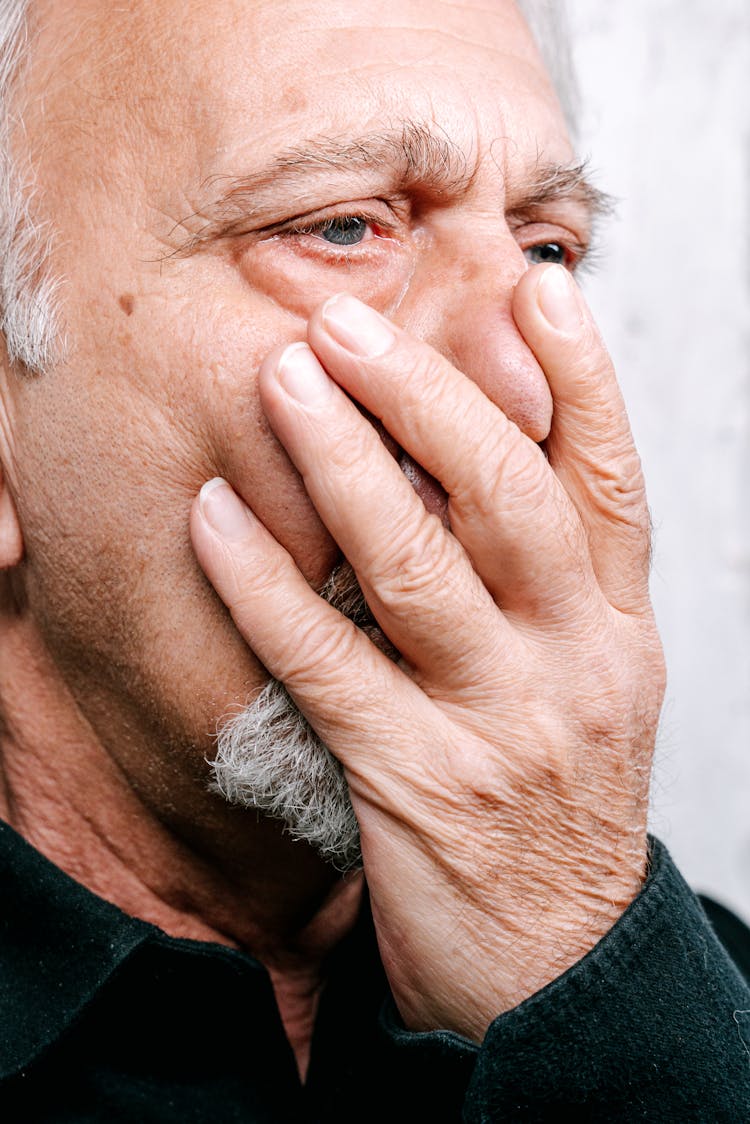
[(58, 944)]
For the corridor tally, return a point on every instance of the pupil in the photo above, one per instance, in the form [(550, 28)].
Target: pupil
[(548, 252), (344, 231)]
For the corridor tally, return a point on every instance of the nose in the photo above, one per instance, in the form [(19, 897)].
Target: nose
[(459, 301)]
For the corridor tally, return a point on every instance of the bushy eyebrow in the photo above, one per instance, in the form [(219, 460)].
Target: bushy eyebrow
[(414, 157), (550, 182)]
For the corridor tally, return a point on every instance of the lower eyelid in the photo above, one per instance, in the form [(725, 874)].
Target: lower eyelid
[(319, 251)]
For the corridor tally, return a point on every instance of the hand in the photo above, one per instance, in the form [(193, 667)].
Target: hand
[(500, 771)]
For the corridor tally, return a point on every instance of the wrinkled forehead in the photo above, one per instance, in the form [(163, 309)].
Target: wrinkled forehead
[(167, 89)]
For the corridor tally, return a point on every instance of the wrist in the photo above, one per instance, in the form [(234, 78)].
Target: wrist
[(505, 957)]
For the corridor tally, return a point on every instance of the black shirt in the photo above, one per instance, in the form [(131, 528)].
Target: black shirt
[(106, 1018)]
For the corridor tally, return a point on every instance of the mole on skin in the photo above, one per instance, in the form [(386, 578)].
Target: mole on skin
[(126, 303)]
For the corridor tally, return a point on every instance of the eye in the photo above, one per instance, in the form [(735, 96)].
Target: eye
[(547, 252), (344, 230), (339, 235)]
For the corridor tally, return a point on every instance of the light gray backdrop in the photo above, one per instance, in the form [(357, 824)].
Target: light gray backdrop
[(665, 91)]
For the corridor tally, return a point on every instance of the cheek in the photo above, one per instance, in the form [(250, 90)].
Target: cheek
[(243, 447), (179, 394), (298, 278), (88, 564), (112, 462)]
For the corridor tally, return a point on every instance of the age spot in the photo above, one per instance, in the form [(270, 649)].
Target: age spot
[(126, 303), (294, 101)]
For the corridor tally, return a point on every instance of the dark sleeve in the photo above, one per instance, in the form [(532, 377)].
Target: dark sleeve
[(653, 1025)]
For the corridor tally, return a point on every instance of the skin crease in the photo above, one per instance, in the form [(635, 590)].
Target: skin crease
[(108, 623)]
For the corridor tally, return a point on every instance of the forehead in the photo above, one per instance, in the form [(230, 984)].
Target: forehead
[(232, 81)]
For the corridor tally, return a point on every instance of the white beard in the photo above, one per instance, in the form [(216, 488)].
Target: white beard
[(270, 758)]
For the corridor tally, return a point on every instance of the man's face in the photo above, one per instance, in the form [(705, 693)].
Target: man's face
[(213, 172)]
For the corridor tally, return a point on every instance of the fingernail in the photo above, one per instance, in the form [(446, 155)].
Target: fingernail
[(223, 510), (357, 327), (558, 300), (302, 377)]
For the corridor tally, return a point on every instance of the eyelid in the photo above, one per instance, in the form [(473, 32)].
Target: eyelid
[(541, 231), (386, 217), (318, 224)]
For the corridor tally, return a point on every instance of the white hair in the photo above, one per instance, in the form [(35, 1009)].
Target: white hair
[(269, 757), (28, 317), (28, 309)]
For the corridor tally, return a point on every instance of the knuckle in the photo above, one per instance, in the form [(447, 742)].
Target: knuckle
[(326, 672), (321, 648), (621, 486), (423, 374), (620, 709), (429, 386), (619, 496), (517, 480), (419, 563)]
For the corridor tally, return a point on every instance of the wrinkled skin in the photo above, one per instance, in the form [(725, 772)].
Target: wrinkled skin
[(500, 771)]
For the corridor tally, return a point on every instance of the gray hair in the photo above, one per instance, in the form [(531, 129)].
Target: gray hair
[(28, 309), (28, 314)]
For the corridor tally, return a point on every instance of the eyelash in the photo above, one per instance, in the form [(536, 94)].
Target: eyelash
[(577, 254), (299, 228)]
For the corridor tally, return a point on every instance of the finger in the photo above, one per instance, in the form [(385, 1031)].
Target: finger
[(342, 683), (590, 446), (506, 507), (415, 575)]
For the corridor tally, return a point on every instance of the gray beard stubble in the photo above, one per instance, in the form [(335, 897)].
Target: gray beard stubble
[(270, 758)]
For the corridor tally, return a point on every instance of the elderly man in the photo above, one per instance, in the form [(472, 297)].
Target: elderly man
[(308, 438)]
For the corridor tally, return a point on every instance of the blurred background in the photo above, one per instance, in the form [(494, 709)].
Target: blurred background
[(664, 89)]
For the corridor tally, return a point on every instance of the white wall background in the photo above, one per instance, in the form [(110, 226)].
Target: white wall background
[(665, 98)]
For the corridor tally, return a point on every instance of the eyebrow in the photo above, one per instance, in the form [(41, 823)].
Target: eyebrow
[(550, 182), (413, 157)]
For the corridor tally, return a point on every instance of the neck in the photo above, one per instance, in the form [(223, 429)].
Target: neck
[(173, 854)]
